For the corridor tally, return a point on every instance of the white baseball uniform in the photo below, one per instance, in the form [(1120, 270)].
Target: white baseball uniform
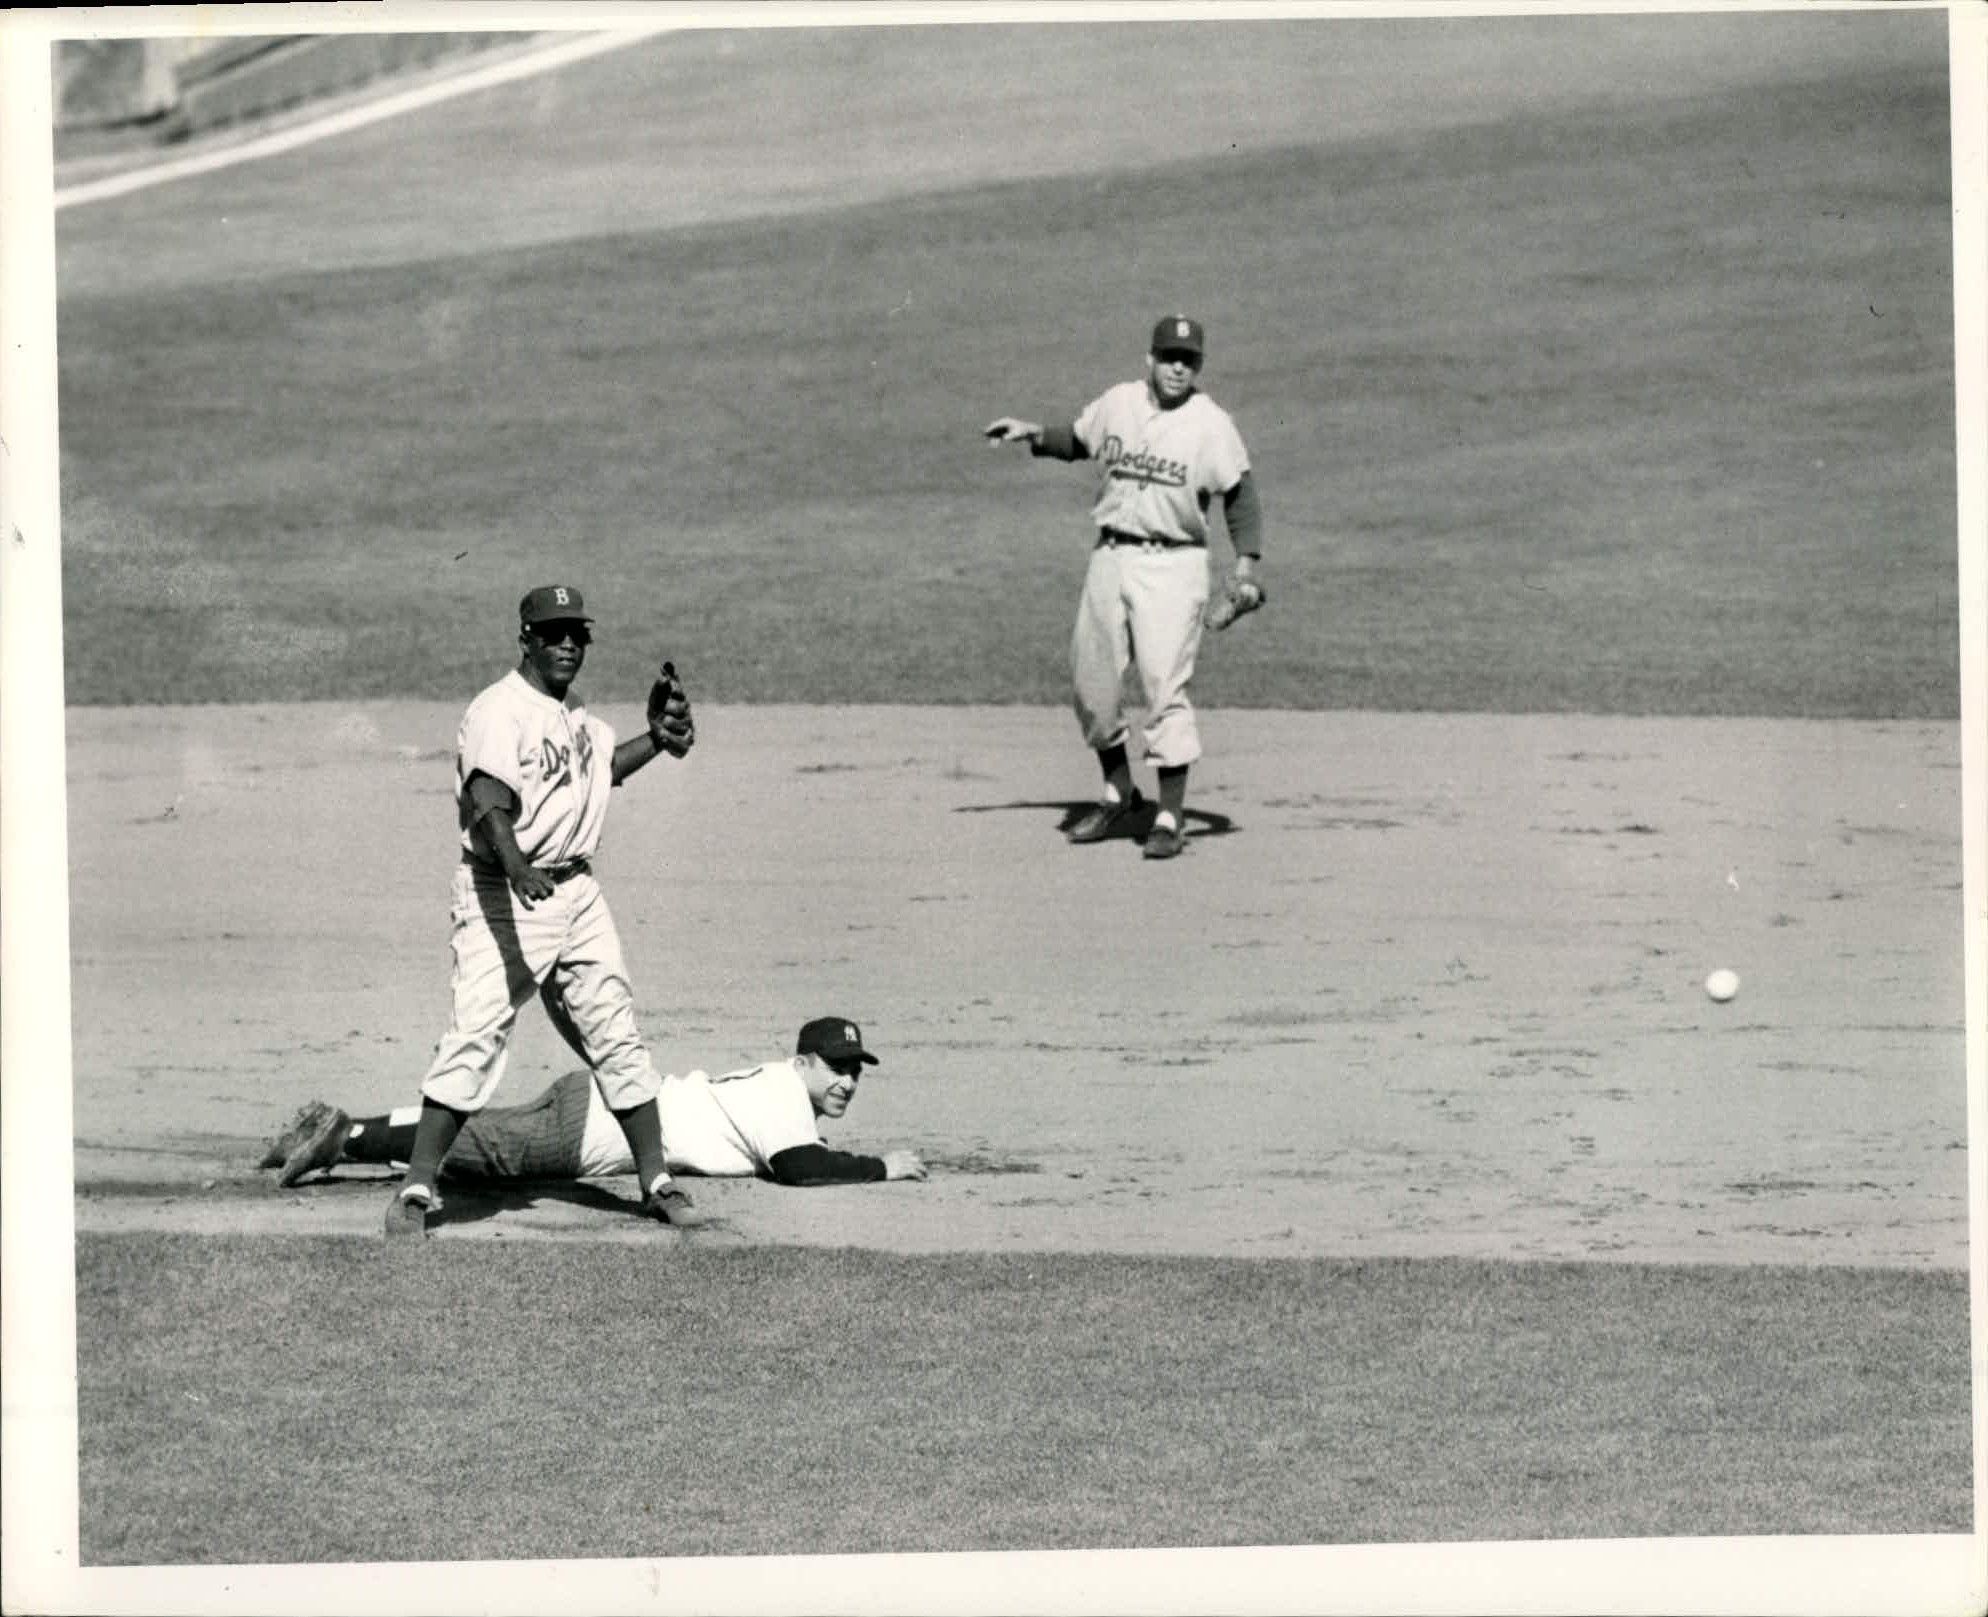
[(726, 1127), (558, 759), (1148, 576)]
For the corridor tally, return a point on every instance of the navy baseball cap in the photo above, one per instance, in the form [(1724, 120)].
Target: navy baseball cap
[(1177, 331), (552, 603), (834, 1038)]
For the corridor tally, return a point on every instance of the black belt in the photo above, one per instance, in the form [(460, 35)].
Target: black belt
[(1115, 536), (558, 873)]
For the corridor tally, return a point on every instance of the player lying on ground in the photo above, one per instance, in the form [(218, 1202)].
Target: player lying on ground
[(757, 1121)]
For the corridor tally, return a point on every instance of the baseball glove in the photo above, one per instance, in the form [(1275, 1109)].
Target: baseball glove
[(1236, 596), (669, 713)]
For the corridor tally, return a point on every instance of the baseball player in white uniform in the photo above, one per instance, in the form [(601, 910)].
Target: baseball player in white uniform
[(533, 773), (1164, 451), (757, 1122)]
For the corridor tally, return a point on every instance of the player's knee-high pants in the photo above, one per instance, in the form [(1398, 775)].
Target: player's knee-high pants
[(1141, 604), (503, 954)]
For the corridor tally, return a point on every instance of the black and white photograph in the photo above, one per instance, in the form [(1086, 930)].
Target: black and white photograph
[(1068, 808)]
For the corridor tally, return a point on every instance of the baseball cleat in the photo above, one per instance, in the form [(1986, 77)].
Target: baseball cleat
[(1101, 819), (323, 1146), (302, 1126), (407, 1214), (673, 1206), (1164, 840)]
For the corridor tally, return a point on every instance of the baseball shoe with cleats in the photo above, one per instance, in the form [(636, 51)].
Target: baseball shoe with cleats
[(307, 1121), (320, 1148), (407, 1213), (1164, 841), (1101, 819), (672, 1204)]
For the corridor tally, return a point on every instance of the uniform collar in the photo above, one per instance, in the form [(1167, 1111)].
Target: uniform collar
[(565, 705)]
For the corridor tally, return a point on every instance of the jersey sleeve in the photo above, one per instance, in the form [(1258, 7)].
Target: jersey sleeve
[(818, 1165), (1227, 458), (1089, 425), (769, 1107), (488, 744)]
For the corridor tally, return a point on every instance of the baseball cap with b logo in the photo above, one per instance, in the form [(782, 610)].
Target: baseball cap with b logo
[(552, 603), (834, 1038), (1178, 332)]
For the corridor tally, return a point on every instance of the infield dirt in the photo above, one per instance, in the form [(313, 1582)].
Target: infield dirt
[(1603, 370), (1423, 985)]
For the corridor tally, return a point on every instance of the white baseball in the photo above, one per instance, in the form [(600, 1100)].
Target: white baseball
[(1722, 984)]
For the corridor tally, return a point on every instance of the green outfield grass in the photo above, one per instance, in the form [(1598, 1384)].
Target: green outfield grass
[(249, 1400), (1641, 409)]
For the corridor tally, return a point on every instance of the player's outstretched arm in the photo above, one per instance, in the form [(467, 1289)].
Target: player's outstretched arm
[(818, 1164), (1045, 443), (1010, 429)]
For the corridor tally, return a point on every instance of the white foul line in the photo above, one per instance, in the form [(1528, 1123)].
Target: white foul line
[(357, 117)]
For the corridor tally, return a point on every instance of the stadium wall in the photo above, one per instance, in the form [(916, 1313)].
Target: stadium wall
[(175, 87)]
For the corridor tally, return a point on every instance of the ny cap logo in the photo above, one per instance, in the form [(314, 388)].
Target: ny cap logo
[(849, 1032)]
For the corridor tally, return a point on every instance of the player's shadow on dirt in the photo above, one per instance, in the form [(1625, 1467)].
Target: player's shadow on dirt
[(1196, 823), (474, 1204), (467, 1204)]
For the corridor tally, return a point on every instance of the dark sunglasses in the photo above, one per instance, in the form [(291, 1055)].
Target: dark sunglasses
[(550, 634), (1179, 356)]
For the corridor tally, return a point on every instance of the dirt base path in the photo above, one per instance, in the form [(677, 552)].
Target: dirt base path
[(1421, 985)]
